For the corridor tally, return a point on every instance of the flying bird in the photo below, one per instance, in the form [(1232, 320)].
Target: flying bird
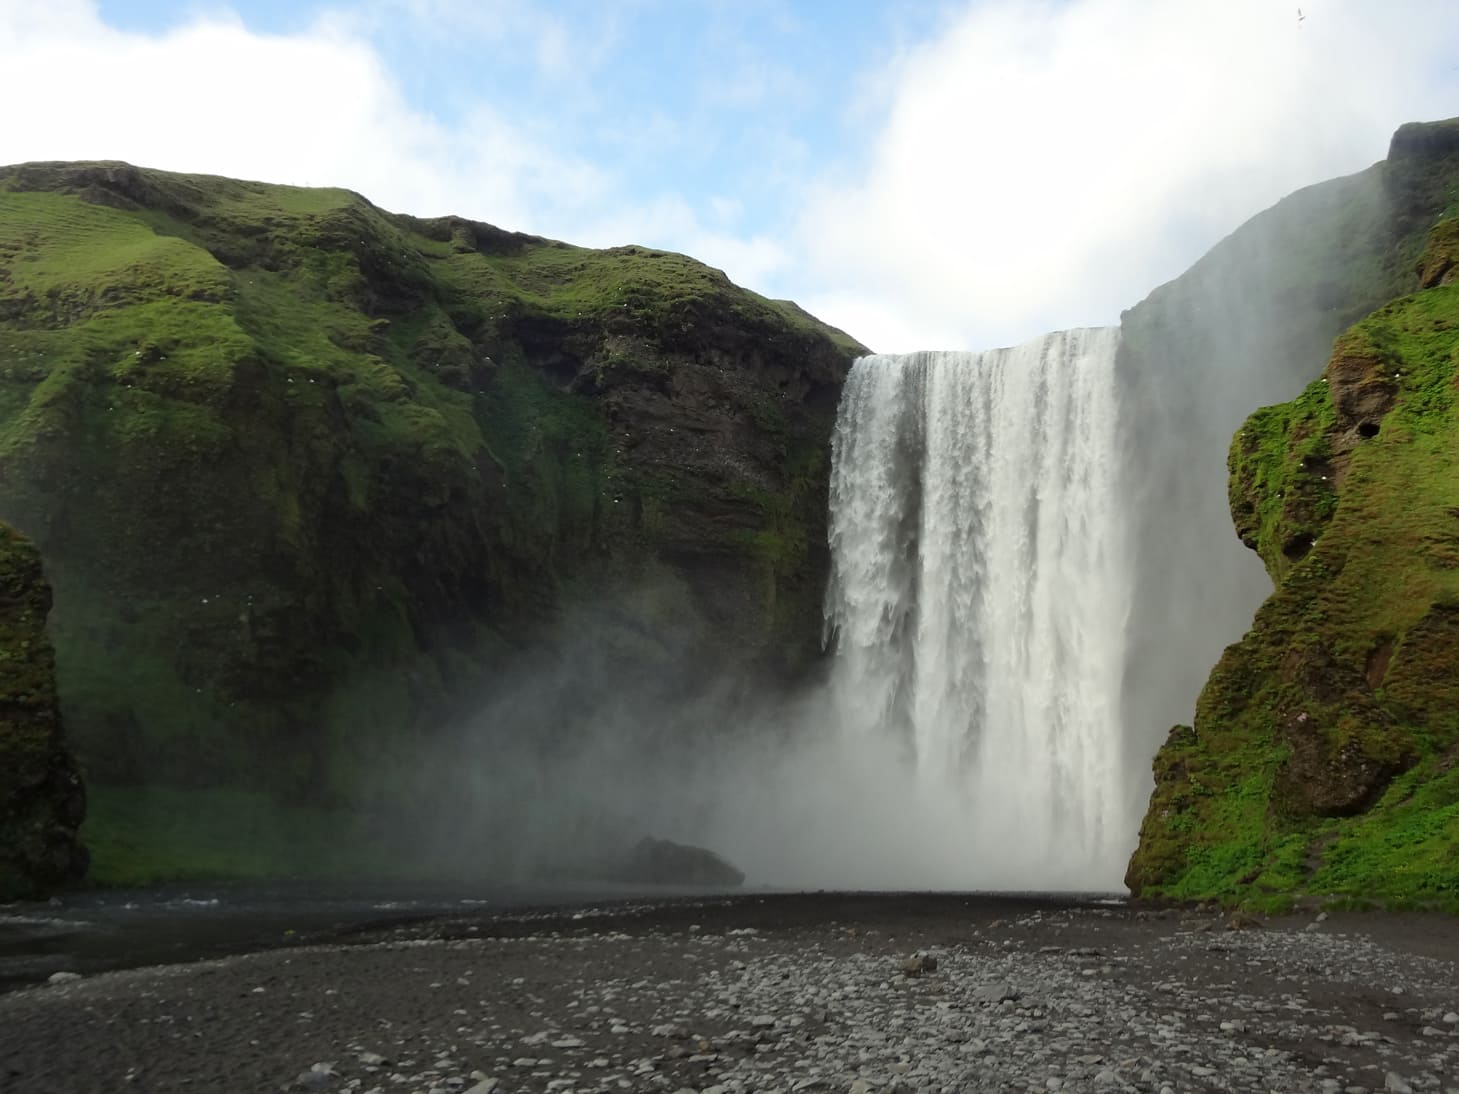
[(1300, 18)]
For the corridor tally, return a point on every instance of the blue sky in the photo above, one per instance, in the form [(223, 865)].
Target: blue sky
[(954, 173), (729, 102)]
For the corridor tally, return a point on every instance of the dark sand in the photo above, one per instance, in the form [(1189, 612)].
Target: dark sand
[(778, 992)]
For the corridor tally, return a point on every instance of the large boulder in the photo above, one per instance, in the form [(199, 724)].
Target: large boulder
[(663, 862), (42, 802)]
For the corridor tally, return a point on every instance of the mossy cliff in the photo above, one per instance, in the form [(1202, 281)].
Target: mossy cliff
[(1252, 323), (1324, 755), (309, 475), (41, 798)]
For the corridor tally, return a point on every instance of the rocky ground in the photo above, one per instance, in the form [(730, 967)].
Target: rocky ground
[(807, 992)]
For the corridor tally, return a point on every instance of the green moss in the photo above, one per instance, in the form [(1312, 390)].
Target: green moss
[(1405, 851), (1283, 489), (1322, 757)]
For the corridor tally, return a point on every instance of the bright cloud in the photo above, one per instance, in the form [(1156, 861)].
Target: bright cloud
[(316, 108), (1046, 163)]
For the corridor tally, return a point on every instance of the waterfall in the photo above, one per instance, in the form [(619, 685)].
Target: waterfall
[(979, 595)]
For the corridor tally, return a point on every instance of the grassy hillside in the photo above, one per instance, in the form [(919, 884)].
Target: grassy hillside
[(308, 475), (1322, 760)]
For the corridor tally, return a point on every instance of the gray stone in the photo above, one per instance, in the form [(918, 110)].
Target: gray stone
[(996, 993)]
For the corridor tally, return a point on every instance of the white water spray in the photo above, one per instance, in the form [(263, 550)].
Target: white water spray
[(979, 596)]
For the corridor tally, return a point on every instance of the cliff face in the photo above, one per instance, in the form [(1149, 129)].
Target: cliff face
[(310, 475), (1252, 323), (41, 799), (1322, 755)]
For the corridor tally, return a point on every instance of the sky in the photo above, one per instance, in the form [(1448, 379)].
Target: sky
[(921, 173)]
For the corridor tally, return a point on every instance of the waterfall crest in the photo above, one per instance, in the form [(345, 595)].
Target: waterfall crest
[(979, 595)]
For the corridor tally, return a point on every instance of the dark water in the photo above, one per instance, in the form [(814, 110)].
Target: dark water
[(115, 929)]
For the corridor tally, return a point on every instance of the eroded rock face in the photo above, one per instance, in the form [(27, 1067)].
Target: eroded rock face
[(1328, 717), (42, 802)]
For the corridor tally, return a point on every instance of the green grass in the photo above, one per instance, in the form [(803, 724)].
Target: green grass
[(147, 836), (66, 259), (1405, 852), (631, 289)]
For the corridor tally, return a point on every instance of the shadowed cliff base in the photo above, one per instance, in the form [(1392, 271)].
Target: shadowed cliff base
[(42, 801)]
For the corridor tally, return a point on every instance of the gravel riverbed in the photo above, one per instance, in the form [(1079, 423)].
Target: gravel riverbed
[(809, 992)]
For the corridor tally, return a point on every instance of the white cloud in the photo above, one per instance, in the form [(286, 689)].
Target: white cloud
[(561, 47), (1046, 163), (316, 108)]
